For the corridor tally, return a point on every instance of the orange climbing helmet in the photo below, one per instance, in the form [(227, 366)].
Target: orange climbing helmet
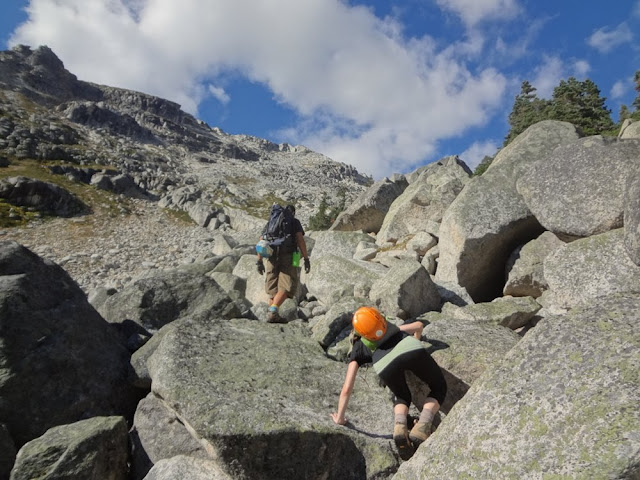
[(369, 323)]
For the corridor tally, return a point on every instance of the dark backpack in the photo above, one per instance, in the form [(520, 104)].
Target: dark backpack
[(279, 229)]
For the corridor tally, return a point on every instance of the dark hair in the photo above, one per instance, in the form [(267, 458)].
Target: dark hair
[(291, 208)]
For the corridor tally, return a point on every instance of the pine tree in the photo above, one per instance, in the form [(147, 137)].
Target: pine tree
[(595, 114), (337, 210), (636, 102), (565, 101), (580, 103), (320, 221), (325, 216), (527, 110), (624, 113)]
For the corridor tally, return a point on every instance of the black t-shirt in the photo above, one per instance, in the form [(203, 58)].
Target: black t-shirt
[(360, 353), (297, 227), (291, 243)]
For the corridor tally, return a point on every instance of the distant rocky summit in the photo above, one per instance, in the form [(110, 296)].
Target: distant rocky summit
[(75, 127), (526, 278)]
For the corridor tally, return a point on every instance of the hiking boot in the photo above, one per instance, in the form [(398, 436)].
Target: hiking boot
[(274, 317), (411, 420), (420, 432), (401, 439)]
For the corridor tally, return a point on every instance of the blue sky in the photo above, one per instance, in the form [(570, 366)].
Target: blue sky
[(384, 85)]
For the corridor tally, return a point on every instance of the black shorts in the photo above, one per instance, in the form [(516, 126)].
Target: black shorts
[(421, 364)]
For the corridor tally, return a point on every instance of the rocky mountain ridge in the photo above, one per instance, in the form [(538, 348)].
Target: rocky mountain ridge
[(47, 114)]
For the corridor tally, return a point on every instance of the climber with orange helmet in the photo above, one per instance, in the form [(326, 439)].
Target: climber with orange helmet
[(393, 351)]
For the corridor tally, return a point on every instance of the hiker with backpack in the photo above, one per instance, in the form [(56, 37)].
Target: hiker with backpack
[(281, 244), (393, 350)]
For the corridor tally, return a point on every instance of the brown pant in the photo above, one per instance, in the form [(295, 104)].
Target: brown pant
[(281, 275)]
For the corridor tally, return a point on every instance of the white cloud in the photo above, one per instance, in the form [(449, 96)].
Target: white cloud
[(473, 155), (636, 9), (366, 95), (605, 40), (219, 94), (473, 12), (581, 68), (548, 75), (619, 89), (521, 46)]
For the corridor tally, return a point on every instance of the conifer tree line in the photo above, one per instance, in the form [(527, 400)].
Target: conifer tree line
[(326, 215), (579, 103)]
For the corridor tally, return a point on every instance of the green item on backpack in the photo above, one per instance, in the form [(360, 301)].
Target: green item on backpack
[(296, 259)]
